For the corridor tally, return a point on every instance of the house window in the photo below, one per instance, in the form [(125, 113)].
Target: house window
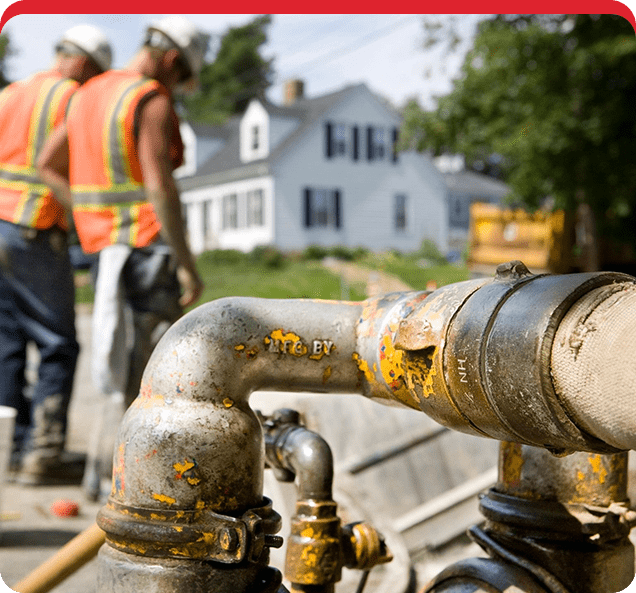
[(322, 208), (255, 212), (378, 143), (400, 212), (206, 216), (230, 212), (375, 143), (335, 139), (340, 144), (255, 138)]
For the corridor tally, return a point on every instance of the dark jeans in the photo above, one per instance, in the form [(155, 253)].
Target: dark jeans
[(37, 298)]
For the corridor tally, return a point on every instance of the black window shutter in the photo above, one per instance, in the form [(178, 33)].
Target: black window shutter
[(337, 208), (307, 203), (328, 139), (356, 143), (394, 140), (370, 143)]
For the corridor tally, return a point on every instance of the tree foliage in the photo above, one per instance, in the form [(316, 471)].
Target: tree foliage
[(5, 52), (238, 74), (552, 100)]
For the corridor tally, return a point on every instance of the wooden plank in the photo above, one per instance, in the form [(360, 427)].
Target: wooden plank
[(442, 519)]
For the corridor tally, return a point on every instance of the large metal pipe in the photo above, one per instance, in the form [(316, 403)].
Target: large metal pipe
[(475, 356)]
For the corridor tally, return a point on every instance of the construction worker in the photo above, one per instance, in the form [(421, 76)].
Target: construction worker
[(126, 207), (37, 293)]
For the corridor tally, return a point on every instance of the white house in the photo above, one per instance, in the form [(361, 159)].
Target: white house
[(320, 171)]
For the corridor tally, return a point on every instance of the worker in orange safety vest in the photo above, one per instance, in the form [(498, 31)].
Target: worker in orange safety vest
[(121, 143), (37, 293)]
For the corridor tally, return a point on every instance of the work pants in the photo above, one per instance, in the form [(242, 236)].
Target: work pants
[(37, 297)]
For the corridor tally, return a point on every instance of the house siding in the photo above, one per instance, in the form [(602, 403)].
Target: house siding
[(243, 238), (367, 187), (358, 177)]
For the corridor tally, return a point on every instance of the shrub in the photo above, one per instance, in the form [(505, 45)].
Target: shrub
[(360, 253), (314, 252), (342, 252), (429, 251), (269, 256), (223, 256)]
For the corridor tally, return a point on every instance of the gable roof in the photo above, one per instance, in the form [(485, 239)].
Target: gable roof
[(226, 164), (475, 184), (208, 130)]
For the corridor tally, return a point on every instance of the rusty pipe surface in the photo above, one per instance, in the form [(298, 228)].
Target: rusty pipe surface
[(498, 358), (476, 356), (565, 519), (318, 547), (192, 418)]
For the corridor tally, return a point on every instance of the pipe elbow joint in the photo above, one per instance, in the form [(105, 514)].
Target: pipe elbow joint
[(190, 439), (309, 456)]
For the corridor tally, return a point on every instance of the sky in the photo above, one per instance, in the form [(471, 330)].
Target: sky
[(327, 51)]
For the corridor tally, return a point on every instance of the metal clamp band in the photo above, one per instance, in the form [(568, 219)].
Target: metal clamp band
[(196, 534)]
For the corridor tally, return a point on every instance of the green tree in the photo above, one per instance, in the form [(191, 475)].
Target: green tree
[(238, 74), (5, 52), (552, 99)]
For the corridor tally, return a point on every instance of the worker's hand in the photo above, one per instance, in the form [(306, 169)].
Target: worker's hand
[(191, 284)]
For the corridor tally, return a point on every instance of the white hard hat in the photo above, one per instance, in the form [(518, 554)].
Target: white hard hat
[(91, 41), (192, 43)]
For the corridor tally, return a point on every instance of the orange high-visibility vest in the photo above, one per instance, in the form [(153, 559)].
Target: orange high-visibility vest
[(109, 203), (29, 110)]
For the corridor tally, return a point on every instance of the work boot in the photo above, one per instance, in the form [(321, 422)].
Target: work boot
[(65, 468)]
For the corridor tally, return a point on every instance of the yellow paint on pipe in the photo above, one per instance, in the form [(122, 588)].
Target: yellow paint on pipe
[(596, 461), (183, 467), (164, 498)]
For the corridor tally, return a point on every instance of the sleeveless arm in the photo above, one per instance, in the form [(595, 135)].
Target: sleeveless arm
[(153, 149)]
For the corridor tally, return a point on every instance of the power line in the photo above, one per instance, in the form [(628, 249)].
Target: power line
[(359, 43)]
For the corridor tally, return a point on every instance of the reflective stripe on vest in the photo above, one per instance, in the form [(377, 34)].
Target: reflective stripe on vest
[(117, 211), (24, 199)]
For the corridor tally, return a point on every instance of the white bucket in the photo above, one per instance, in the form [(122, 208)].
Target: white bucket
[(7, 420)]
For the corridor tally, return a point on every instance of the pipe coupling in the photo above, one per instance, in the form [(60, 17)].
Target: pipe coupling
[(313, 548), (478, 356)]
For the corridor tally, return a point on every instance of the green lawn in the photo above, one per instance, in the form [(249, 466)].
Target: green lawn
[(241, 275), (295, 279), (271, 275), (414, 270)]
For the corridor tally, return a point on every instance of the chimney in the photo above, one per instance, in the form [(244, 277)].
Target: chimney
[(292, 91)]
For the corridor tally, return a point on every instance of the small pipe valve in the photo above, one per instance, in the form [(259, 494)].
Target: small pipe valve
[(363, 547)]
